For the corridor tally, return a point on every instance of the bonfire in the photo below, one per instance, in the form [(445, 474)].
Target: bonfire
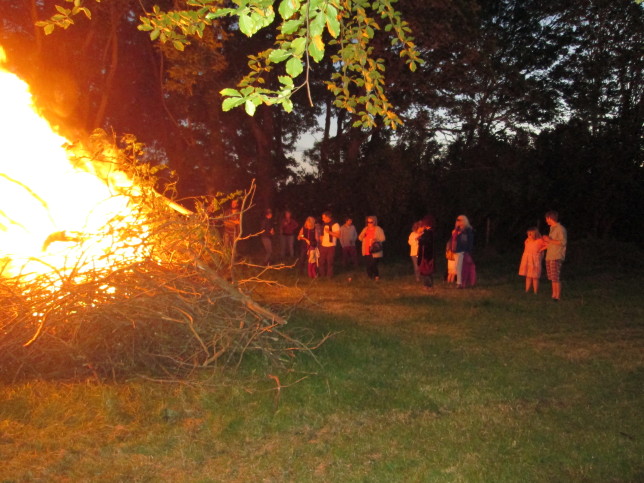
[(100, 273)]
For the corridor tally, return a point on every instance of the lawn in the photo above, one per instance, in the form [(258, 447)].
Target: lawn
[(485, 384)]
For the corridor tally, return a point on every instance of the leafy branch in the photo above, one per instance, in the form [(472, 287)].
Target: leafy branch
[(305, 31)]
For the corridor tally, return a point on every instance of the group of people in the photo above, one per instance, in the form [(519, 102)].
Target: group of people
[(461, 269), (318, 241), (460, 265), (554, 245)]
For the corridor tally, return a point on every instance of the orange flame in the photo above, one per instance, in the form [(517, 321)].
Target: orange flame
[(50, 210)]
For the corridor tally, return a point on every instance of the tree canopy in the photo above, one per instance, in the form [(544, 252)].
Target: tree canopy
[(305, 31)]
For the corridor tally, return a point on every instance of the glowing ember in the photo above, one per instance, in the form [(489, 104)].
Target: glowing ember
[(54, 216)]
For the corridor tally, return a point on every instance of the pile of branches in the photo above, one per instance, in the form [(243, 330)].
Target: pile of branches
[(180, 303)]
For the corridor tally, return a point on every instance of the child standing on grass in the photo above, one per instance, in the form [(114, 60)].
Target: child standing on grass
[(532, 259), (451, 263)]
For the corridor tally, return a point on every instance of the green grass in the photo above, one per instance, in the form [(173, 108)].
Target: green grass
[(487, 384)]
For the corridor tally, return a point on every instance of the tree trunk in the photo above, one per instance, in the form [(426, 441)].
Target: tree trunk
[(113, 45), (263, 134), (323, 167)]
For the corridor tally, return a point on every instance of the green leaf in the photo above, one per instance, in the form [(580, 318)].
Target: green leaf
[(332, 23), (221, 12), (286, 80), (230, 92), (49, 28), (298, 46), (291, 26), (287, 104), (246, 25), (178, 45), (288, 7), (317, 26), (250, 107), (294, 67), (279, 55), (154, 34), (231, 103), (316, 49)]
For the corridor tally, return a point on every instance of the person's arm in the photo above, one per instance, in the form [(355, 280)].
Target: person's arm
[(362, 234), (380, 235), (301, 236), (552, 241), (335, 233)]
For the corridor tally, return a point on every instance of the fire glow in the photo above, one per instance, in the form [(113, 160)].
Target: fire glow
[(60, 212)]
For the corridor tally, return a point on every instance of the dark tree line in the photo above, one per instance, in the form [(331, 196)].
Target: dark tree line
[(521, 106)]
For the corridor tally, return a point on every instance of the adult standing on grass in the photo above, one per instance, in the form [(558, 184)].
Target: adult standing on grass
[(288, 228), (348, 237), (328, 240), (416, 230), (462, 243), (372, 237), (267, 233), (426, 252), (556, 242)]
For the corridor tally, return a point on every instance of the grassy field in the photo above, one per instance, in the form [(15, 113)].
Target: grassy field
[(486, 384)]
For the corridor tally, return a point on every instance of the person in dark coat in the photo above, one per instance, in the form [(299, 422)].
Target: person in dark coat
[(426, 253)]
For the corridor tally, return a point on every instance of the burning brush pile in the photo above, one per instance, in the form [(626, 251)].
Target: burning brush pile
[(101, 274)]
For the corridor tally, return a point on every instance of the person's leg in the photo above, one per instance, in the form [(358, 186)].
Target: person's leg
[(553, 267), (535, 285), (369, 265), (528, 283), (268, 250), (459, 267), (414, 261), (376, 272), (345, 256), (303, 260), (312, 269), (428, 281), (290, 239), (330, 260), (322, 262), (354, 255)]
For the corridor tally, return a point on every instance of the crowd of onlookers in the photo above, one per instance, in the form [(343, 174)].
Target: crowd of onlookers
[(313, 244)]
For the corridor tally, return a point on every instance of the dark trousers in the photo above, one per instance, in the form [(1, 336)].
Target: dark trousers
[(327, 254), (303, 261), (350, 256), (268, 249), (372, 266)]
